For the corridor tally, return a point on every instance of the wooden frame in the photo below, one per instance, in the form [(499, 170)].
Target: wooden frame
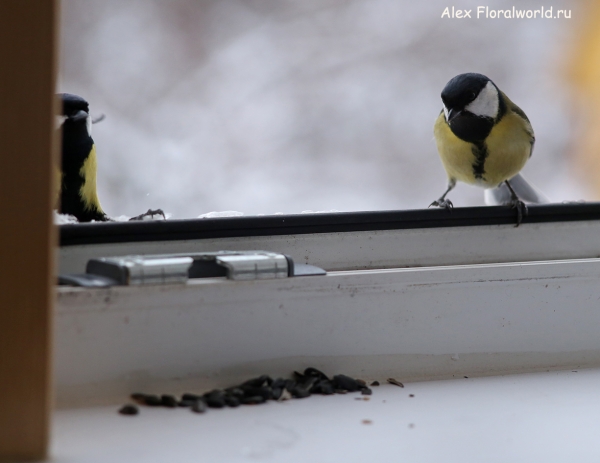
[(28, 155)]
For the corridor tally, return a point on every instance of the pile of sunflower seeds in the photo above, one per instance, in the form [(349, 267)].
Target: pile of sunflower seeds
[(256, 391)]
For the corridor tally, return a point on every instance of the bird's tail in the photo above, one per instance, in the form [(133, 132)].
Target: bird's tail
[(527, 193)]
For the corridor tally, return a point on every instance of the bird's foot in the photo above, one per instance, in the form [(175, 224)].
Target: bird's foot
[(445, 203), (521, 210), (149, 213)]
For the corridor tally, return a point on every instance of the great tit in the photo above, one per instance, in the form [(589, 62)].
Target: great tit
[(78, 196), (482, 137)]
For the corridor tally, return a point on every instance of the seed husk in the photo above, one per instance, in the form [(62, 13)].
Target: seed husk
[(257, 382), (300, 392), (265, 392), (232, 401), (152, 400), (345, 383), (260, 389), (215, 399), (168, 401), (199, 406), (395, 382), (129, 410), (139, 397), (315, 373), (186, 403), (253, 400)]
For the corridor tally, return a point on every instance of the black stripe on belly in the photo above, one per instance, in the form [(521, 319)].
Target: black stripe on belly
[(480, 151)]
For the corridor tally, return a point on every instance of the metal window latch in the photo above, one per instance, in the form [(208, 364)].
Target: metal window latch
[(178, 268), (140, 270)]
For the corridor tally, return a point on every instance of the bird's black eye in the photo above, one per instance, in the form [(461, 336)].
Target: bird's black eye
[(473, 95)]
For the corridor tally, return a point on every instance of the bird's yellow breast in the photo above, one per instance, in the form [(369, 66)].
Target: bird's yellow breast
[(508, 149), (456, 154), (88, 189)]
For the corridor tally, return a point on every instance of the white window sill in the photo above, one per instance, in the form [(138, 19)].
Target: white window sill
[(551, 417), (411, 303)]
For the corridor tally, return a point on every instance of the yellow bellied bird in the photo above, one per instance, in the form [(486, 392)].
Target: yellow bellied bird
[(484, 139), (78, 195)]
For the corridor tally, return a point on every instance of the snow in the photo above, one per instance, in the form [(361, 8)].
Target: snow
[(121, 218), (211, 215), (62, 219)]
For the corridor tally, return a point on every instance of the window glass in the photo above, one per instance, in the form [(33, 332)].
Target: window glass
[(261, 106)]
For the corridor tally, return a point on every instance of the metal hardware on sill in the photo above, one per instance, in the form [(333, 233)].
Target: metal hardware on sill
[(141, 270), (259, 266), (178, 268)]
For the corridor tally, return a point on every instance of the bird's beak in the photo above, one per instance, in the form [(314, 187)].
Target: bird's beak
[(79, 116), (452, 113)]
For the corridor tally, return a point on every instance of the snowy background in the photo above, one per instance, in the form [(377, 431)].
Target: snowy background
[(265, 106)]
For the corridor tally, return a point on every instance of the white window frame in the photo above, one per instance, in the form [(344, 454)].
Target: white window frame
[(412, 303)]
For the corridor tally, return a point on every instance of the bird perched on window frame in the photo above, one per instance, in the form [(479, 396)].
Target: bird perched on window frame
[(484, 139), (78, 195)]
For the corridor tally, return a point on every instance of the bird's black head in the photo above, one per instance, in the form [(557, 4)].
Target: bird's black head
[(75, 119), (472, 104), (74, 107)]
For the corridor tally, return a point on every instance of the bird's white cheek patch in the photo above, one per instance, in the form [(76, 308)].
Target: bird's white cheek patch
[(446, 112), (487, 102), (88, 125)]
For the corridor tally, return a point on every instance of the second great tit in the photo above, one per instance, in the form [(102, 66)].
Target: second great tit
[(78, 196), (482, 137)]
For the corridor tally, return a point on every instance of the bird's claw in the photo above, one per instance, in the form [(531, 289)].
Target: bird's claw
[(149, 213), (444, 203), (521, 208)]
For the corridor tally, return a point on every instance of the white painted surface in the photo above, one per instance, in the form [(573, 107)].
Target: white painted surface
[(544, 417), (383, 249), (415, 323)]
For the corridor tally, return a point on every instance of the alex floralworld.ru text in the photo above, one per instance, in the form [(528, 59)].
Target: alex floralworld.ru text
[(484, 12)]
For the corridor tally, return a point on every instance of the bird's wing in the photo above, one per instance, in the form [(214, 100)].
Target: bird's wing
[(501, 194), (519, 112)]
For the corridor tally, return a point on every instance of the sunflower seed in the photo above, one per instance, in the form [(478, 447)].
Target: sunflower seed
[(129, 410), (345, 383), (168, 401)]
